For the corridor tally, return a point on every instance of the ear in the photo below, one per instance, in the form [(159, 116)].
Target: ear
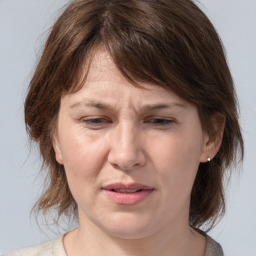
[(56, 147), (212, 140)]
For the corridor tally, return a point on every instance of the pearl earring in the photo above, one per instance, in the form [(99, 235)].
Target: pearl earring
[(208, 159)]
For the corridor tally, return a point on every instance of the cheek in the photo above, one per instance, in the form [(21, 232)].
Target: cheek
[(83, 159), (83, 156), (178, 151), (177, 161)]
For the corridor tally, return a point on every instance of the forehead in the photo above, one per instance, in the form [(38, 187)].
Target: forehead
[(102, 67), (105, 81)]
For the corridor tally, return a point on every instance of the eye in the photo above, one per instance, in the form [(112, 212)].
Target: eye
[(95, 122), (160, 121)]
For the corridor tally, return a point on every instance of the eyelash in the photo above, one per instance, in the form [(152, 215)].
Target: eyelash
[(98, 122), (161, 121)]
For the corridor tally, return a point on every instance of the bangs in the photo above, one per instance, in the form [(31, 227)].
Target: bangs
[(141, 51)]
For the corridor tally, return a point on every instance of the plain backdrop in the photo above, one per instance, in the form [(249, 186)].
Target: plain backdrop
[(23, 28)]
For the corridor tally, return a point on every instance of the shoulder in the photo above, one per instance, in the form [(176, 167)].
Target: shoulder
[(49, 248), (212, 247)]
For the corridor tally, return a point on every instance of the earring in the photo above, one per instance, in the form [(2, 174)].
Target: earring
[(208, 159)]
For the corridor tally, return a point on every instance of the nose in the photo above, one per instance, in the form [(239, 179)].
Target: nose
[(126, 148)]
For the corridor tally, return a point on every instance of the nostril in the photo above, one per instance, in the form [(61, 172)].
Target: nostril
[(126, 160), (120, 167)]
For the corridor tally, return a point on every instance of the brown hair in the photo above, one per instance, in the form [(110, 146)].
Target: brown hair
[(168, 43)]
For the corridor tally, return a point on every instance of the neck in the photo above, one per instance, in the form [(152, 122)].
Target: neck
[(174, 240)]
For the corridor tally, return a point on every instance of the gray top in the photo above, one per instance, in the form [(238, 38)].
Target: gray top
[(55, 247), (212, 247)]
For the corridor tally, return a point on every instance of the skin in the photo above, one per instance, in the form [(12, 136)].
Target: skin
[(110, 131)]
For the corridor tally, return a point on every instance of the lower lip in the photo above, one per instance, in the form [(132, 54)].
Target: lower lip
[(128, 198)]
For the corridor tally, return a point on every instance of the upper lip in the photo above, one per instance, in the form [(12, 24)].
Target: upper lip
[(127, 186)]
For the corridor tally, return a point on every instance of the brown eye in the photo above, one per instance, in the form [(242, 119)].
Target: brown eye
[(95, 122), (160, 121)]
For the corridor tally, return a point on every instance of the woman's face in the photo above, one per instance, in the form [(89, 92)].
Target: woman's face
[(130, 154)]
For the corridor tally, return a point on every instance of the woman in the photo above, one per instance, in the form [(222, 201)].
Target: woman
[(134, 110)]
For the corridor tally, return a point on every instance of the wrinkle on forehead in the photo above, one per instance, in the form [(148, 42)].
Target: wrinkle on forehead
[(99, 62), (103, 75), (102, 65)]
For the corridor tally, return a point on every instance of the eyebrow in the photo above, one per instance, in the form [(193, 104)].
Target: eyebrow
[(93, 104), (147, 107)]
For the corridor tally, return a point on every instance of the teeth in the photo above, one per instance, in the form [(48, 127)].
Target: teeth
[(124, 190)]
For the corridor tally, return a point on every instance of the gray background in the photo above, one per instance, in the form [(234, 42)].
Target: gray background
[(23, 27)]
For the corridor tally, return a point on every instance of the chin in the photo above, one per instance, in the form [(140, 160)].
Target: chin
[(128, 226)]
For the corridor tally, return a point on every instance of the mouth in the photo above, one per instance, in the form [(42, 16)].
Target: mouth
[(127, 194), (124, 190)]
